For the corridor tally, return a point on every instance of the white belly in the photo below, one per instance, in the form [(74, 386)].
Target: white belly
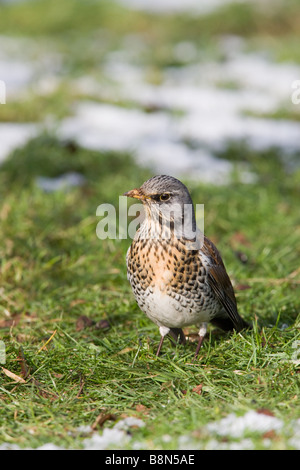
[(176, 312)]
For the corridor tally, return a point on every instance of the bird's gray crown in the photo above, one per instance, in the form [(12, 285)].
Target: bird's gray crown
[(164, 183)]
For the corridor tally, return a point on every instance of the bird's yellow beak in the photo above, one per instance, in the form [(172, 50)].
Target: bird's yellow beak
[(136, 193)]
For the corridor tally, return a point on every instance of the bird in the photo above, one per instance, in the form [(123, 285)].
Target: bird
[(176, 273)]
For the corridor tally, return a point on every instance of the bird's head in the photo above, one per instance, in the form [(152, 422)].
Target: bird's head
[(167, 201)]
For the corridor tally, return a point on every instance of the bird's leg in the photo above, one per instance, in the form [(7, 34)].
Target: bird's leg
[(160, 345), (163, 331), (202, 333)]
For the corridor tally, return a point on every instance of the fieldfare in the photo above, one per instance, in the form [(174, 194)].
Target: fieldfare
[(176, 273)]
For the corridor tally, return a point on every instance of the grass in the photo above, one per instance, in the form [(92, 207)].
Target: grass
[(38, 17), (76, 337), (83, 32), (34, 107)]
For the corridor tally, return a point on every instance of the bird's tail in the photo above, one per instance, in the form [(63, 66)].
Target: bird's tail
[(175, 332), (226, 324)]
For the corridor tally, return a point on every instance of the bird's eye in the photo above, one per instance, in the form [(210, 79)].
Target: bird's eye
[(164, 197)]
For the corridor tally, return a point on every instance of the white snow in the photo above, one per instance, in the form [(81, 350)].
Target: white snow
[(14, 135), (177, 6), (196, 108), (154, 138), (236, 426), (232, 426), (116, 437), (110, 437), (192, 105), (60, 183)]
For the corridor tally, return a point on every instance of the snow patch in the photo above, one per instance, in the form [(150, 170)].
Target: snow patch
[(236, 426)]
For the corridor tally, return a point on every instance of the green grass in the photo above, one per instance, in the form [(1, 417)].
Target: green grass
[(35, 107), (83, 32), (39, 17), (54, 270)]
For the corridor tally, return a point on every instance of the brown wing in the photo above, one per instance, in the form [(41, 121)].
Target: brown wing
[(220, 284)]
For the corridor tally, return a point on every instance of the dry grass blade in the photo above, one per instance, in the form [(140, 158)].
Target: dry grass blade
[(47, 342), (13, 376)]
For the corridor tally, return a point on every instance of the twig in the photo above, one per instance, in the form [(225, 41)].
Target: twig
[(81, 387), (25, 369), (101, 418), (47, 342)]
